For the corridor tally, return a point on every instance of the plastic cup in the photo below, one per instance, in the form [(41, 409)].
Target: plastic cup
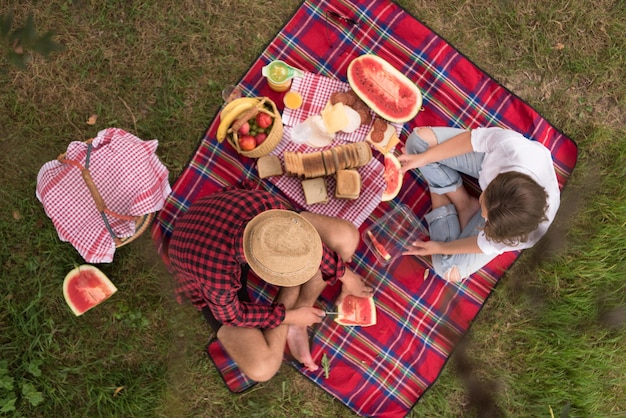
[(230, 93)]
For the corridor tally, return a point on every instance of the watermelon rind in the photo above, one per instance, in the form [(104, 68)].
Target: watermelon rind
[(98, 294), (391, 194), (341, 319), (390, 72)]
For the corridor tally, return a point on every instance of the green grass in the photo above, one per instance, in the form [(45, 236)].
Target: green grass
[(551, 337)]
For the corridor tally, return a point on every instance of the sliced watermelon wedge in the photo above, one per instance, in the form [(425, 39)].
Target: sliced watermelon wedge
[(380, 248), (356, 311), (85, 287), (392, 176)]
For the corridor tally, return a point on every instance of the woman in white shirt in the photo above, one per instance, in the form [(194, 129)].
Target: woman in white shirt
[(519, 201)]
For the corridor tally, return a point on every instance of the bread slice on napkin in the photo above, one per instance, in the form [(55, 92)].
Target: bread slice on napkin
[(348, 184), (315, 190)]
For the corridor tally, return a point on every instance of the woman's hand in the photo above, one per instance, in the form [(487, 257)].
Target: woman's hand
[(411, 161), (304, 316), (353, 284), (423, 248)]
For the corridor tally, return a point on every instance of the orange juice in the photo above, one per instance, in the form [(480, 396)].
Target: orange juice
[(279, 87), (292, 99)]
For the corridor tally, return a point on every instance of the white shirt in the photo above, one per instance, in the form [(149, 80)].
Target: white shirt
[(505, 151)]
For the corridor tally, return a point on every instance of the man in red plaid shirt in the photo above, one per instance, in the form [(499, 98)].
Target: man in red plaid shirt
[(210, 257)]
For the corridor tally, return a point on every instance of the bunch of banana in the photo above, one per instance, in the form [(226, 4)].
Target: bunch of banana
[(231, 111)]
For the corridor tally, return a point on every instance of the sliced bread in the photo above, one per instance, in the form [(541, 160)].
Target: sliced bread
[(268, 166), (348, 184), (315, 190)]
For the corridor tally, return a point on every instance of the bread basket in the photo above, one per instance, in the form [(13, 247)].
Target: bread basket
[(273, 136)]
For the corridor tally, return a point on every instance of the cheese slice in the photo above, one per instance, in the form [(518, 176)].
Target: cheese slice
[(318, 137), (335, 117)]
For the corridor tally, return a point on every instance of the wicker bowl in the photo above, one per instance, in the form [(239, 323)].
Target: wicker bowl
[(273, 136)]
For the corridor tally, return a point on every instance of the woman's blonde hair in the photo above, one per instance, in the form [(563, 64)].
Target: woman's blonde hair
[(515, 205)]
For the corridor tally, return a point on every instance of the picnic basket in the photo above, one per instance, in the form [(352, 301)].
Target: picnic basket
[(273, 136), (142, 222)]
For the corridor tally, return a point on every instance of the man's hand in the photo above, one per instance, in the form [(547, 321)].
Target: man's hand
[(423, 248), (353, 284), (304, 316)]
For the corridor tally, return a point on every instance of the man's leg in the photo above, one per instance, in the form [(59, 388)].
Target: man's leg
[(298, 337), (339, 235), (259, 353)]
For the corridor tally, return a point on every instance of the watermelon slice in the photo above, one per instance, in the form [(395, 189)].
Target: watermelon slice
[(85, 287), (356, 311), (380, 248), (392, 176)]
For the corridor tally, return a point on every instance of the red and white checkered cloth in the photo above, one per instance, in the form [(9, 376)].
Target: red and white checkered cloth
[(316, 90), (130, 178)]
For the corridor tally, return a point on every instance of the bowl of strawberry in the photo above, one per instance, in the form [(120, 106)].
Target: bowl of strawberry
[(257, 131)]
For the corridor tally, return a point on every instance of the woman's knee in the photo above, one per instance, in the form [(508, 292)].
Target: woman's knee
[(450, 272), (427, 135), (420, 140)]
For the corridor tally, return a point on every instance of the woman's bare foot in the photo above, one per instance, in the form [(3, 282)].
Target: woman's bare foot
[(298, 342)]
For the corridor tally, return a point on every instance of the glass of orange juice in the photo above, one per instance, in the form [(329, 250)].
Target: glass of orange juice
[(292, 99)]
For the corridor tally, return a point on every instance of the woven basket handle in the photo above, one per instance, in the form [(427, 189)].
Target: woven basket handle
[(94, 192), (91, 186)]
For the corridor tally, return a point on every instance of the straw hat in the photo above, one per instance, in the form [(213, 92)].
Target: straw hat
[(282, 247)]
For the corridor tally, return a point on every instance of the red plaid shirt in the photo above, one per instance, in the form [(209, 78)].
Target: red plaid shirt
[(206, 253)]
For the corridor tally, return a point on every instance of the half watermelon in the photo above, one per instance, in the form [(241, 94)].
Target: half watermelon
[(384, 88), (356, 311), (85, 287)]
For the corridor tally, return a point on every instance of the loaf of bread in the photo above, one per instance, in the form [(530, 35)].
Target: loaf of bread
[(327, 162)]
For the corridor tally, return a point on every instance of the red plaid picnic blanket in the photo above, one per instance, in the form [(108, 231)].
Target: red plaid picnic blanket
[(383, 370)]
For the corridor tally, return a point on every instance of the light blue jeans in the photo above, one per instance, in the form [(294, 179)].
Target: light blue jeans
[(443, 222)]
